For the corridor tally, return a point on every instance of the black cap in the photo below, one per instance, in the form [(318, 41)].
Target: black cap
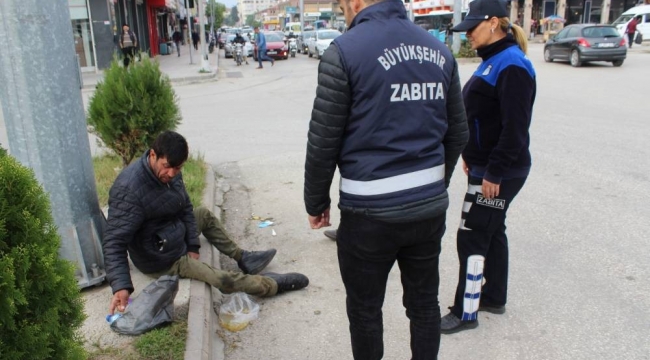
[(481, 10)]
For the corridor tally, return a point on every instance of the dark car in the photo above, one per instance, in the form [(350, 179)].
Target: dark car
[(583, 43), (302, 40), (275, 47)]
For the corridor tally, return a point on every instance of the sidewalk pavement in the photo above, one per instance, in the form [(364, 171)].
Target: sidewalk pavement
[(194, 298), (178, 68)]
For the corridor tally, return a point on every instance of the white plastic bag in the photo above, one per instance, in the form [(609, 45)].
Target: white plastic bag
[(237, 311)]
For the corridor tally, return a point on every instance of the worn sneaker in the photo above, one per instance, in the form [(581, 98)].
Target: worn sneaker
[(252, 262), (288, 282), (450, 324), (499, 310), (330, 234)]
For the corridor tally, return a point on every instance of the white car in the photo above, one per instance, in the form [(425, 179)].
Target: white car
[(320, 41), (643, 26)]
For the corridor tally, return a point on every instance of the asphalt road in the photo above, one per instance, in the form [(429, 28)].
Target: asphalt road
[(578, 231)]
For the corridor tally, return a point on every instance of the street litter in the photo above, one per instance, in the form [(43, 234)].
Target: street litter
[(273, 232), (259, 218), (266, 223), (237, 311)]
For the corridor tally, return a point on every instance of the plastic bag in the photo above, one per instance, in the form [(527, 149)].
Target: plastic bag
[(639, 38), (237, 311), (153, 308)]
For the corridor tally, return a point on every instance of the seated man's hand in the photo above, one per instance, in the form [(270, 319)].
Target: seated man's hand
[(193, 255), (120, 301)]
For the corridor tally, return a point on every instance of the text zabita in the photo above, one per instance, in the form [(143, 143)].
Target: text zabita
[(417, 91)]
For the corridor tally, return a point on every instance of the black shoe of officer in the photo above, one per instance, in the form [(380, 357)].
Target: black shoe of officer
[(252, 262), (498, 310), (288, 282), (330, 234), (450, 324)]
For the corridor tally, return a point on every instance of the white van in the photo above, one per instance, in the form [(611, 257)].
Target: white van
[(643, 26), (292, 27)]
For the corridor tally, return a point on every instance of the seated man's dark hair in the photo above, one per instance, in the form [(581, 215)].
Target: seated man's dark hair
[(173, 146)]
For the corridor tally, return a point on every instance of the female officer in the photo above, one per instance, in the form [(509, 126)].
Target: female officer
[(499, 101)]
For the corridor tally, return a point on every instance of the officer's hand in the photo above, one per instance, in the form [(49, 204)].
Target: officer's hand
[(322, 220), (490, 190), (193, 255), (465, 168), (120, 301)]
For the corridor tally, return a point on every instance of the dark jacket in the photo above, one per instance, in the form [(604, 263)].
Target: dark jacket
[(154, 221), (389, 113), (499, 100), (177, 36)]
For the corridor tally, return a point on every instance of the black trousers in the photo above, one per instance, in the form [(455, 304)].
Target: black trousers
[(367, 250), (482, 237), (630, 38), (129, 54)]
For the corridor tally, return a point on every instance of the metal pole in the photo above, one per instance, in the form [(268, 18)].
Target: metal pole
[(528, 15), (458, 7), (46, 124), (604, 12), (205, 64), (302, 20), (190, 25)]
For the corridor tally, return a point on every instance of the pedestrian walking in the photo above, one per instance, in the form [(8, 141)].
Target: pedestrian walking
[(177, 36), (499, 101), (261, 48), (151, 218), (195, 39), (630, 30), (129, 44), (389, 113)]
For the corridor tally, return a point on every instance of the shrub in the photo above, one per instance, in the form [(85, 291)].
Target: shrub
[(465, 50), (131, 107), (41, 307)]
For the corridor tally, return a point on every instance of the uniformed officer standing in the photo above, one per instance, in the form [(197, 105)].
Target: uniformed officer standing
[(389, 113)]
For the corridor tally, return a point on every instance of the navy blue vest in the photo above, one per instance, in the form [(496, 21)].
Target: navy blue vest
[(399, 76)]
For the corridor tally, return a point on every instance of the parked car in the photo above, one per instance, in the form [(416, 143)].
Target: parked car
[(228, 48), (583, 43), (275, 47), (302, 40), (320, 41)]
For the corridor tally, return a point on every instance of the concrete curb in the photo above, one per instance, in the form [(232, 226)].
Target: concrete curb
[(202, 323)]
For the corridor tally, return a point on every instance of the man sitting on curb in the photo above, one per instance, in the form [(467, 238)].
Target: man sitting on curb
[(150, 216)]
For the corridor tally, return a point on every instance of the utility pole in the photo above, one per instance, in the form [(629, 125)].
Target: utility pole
[(604, 14), (205, 64), (561, 11), (190, 25), (458, 8), (528, 14), (46, 124), (302, 20), (514, 10)]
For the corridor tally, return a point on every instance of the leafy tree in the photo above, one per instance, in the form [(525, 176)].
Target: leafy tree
[(216, 8), (131, 107), (250, 21), (234, 15), (41, 308)]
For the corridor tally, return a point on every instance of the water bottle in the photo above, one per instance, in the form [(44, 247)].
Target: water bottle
[(111, 318)]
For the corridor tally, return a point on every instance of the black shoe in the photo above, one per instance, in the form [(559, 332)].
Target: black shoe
[(450, 324), (330, 234), (288, 282), (252, 262), (499, 310)]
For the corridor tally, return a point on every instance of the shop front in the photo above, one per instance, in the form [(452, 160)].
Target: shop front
[(83, 34), (162, 19)]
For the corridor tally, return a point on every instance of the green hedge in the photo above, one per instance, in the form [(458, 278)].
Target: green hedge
[(132, 106), (41, 308)]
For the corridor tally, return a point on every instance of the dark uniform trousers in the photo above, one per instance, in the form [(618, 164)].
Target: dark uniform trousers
[(367, 250), (483, 232)]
